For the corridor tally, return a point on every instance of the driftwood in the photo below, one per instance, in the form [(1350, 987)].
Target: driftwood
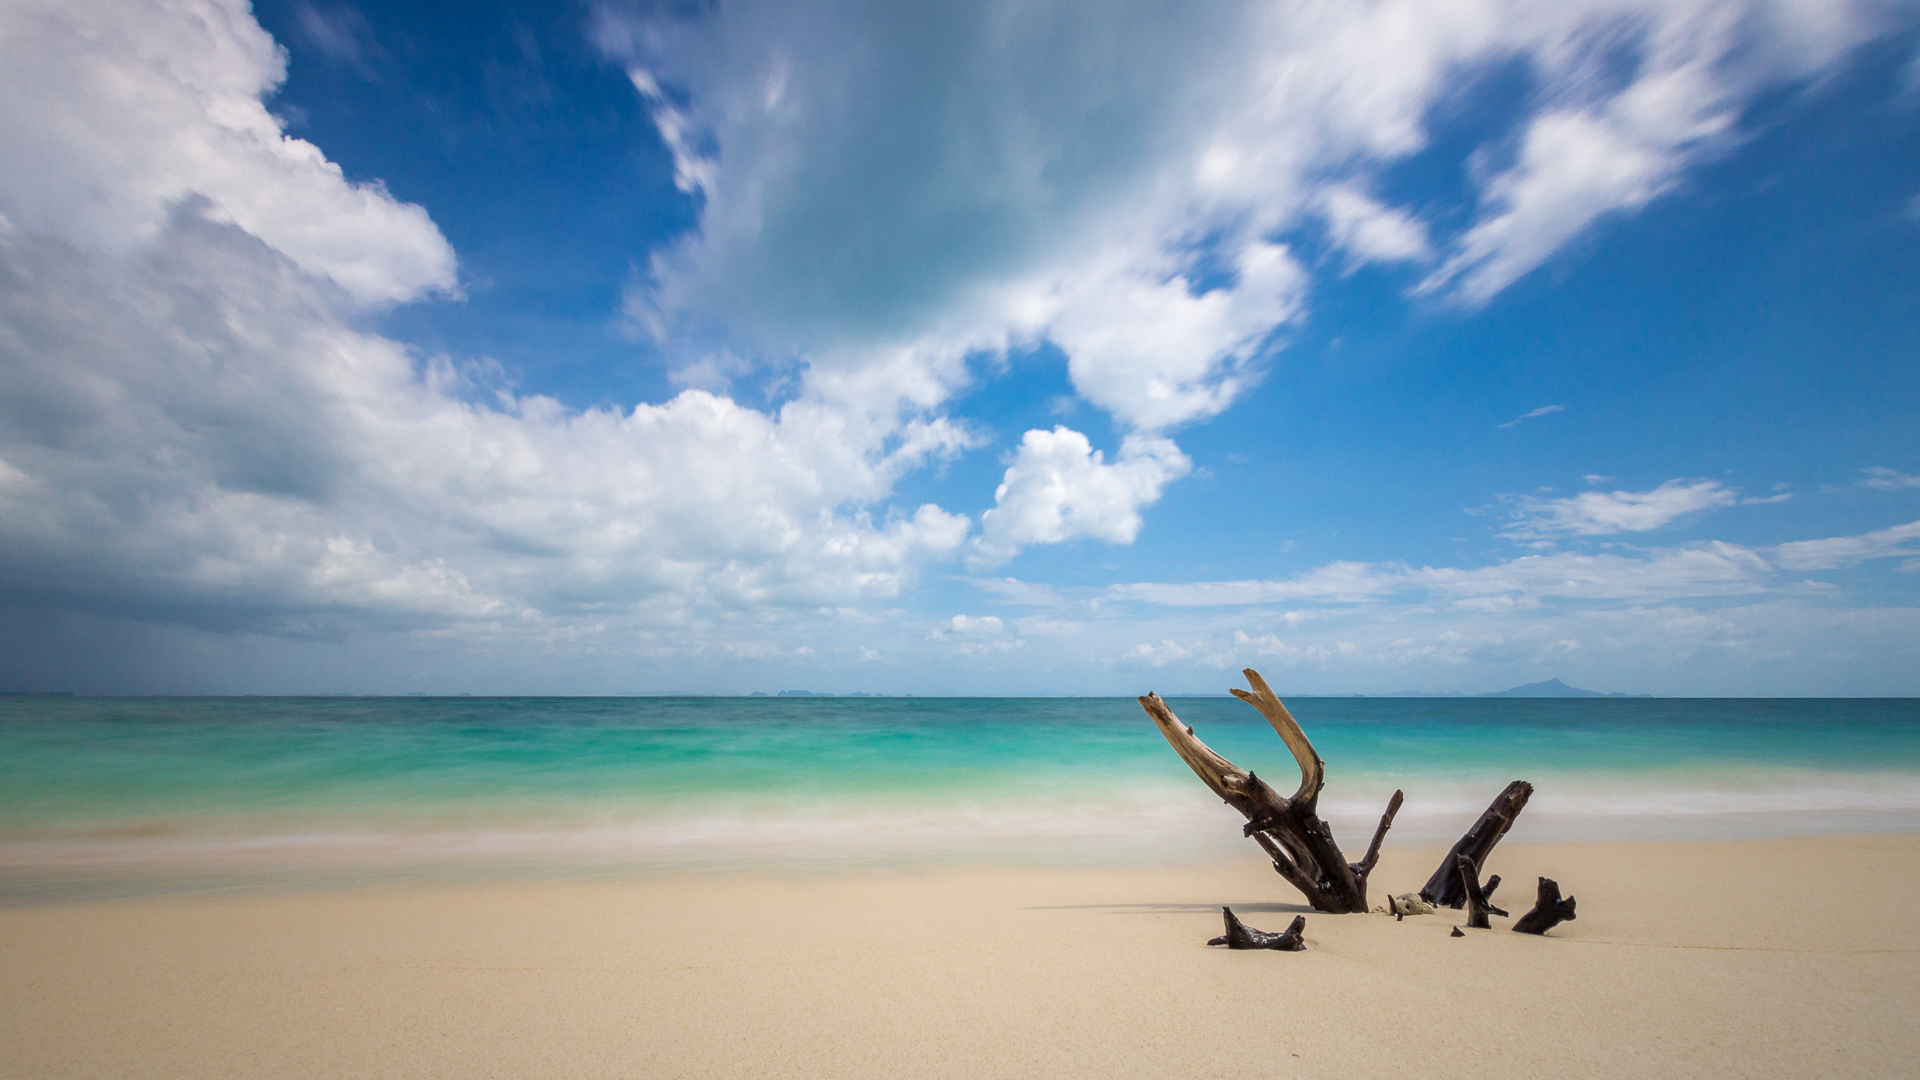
[(1548, 911), (1241, 936), (1446, 888), (1477, 906), (1289, 829)]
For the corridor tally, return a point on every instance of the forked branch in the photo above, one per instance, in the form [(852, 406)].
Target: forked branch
[(1289, 829), (1313, 771)]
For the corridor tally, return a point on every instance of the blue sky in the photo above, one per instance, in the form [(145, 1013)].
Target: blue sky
[(973, 348)]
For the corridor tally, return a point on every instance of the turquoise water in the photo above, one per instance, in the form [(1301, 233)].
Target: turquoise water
[(91, 789)]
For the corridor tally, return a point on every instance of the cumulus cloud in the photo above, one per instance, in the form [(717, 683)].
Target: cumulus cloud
[(120, 113), (1160, 655), (965, 635), (268, 456), (1123, 185), (1603, 513), (1059, 488), (193, 432)]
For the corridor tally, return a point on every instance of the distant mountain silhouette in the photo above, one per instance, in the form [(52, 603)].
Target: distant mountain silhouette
[(1552, 688)]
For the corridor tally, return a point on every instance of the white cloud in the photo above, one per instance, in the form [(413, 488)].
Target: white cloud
[(1160, 655), (1059, 488), (194, 433), (1339, 582), (1576, 165), (1544, 410), (973, 626), (966, 635), (1268, 649), (1715, 569), (1121, 185), (1842, 551), (1371, 232), (1886, 479), (1146, 347), (321, 474), (118, 113), (341, 33), (1602, 513)]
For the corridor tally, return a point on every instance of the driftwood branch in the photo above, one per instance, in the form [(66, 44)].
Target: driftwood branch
[(1477, 906), (1241, 936), (1445, 888), (1380, 834), (1287, 828), (1548, 911)]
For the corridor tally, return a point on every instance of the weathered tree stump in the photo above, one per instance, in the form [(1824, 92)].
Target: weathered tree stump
[(1477, 906), (1445, 888), (1241, 936), (1289, 829), (1548, 911)]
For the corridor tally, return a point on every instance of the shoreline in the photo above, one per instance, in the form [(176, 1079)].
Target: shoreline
[(1734, 958), (34, 872)]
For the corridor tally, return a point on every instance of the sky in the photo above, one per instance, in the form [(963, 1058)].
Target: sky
[(980, 348)]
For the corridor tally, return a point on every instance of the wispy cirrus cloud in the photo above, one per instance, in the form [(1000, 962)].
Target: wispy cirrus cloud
[(1661, 574), (1840, 552), (1544, 410), (1605, 513), (1709, 570), (1885, 479)]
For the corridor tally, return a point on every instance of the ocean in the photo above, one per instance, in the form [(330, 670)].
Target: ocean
[(116, 795)]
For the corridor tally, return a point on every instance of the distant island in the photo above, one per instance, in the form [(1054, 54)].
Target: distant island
[(1550, 688), (816, 693), (1553, 688)]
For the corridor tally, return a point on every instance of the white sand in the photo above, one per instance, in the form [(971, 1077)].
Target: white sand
[(1766, 958)]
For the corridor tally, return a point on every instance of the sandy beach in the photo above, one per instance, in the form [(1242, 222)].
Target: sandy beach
[(1748, 958)]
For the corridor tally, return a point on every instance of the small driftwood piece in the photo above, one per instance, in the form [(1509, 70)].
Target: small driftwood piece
[(1548, 911), (1477, 906), (1288, 828), (1445, 888), (1241, 936)]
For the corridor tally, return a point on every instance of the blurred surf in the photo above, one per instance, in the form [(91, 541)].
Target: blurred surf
[(145, 794)]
